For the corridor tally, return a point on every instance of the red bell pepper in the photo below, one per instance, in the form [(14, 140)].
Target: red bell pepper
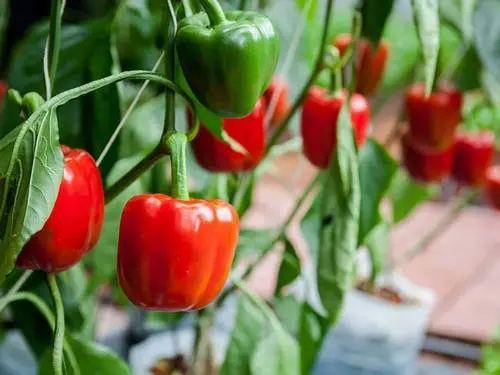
[(473, 155), (216, 156), (433, 120), (425, 164), (175, 254), (282, 105), (370, 64), (492, 186), (320, 113), (74, 226)]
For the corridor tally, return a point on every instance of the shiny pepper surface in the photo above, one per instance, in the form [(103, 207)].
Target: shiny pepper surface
[(370, 63), (279, 88), (74, 226), (319, 123), (173, 254), (229, 59), (215, 155), (425, 164), (473, 155), (492, 186), (433, 120)]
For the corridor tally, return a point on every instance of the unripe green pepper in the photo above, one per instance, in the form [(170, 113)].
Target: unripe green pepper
[(228, 59)]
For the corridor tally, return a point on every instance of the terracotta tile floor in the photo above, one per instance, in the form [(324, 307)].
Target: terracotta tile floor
[(462, 266)]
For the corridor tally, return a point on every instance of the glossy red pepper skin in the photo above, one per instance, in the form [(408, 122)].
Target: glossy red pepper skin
[(434, 120), (282, 105), (425, 164), (320, 113), (371, 63), (175, 255), (216, 156), (473, 155), (492, 186), (74, 226)]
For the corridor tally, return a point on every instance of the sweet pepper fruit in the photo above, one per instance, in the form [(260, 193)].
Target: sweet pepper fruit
[(426, 164), (229, 59), (279, 88), (473, 155), (74, 226), (215, 155), (492, 186), (320, 113), (433, 120), (174, 254), (370, 63)]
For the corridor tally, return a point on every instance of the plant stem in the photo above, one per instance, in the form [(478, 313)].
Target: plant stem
[(170, 30), (177, 144), (312, 78), (15, 288), (214, 11), (53, 44), (57, 354), (282, 232), (459, 204), (243, 5), (144, 165)]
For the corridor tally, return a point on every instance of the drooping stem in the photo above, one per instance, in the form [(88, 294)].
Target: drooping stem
[(445, 222), (170, 30), (57, 353), (124, 182), (312, 78), (356, 35), (177, 145), (15, 288), (54, 43), (214, 11)]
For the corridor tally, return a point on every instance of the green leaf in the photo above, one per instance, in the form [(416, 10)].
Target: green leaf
[(313, 330), (340, 213), (289, 268), (376, 171), (467, 75), (310, 226), (487, 34), (92, 358), (288, 310), (278, 354), (374, 15), (458, 14), (377, 243), (102, 259), (406, 195), (249, 328), (31, 169), (426, 14), (253, 242), (243, 197), (313, 8)]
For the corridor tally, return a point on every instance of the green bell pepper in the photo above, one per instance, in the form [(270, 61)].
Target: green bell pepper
[(229, 59)]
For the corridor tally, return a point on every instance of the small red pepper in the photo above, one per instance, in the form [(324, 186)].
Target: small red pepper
[(425, 164), (473, 155), (74, 226), (174, 254), (370, 64), (433, 120), (319, 123), (282, 105), (216, 156), (492, 186)]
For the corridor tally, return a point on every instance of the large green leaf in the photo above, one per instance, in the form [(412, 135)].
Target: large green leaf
[(340, 212), (289, 268), (426, 14), (310, 227), (487, 34), (31, 169), (406, 195), (458, 14), (377, 243), (92, 358), (374, 15), (312, 10), (376, 171), (249, 328), (278, 354)]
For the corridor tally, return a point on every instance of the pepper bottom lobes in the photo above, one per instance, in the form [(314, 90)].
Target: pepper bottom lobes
[(215, 155), (75, 223), (175, 255), (319, 123)]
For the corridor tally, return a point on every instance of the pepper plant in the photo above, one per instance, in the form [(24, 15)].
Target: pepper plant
[(92, 195)]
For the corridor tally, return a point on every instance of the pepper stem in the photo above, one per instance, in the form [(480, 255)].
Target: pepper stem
[(177, 144), (214, 11), (336, 84)]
